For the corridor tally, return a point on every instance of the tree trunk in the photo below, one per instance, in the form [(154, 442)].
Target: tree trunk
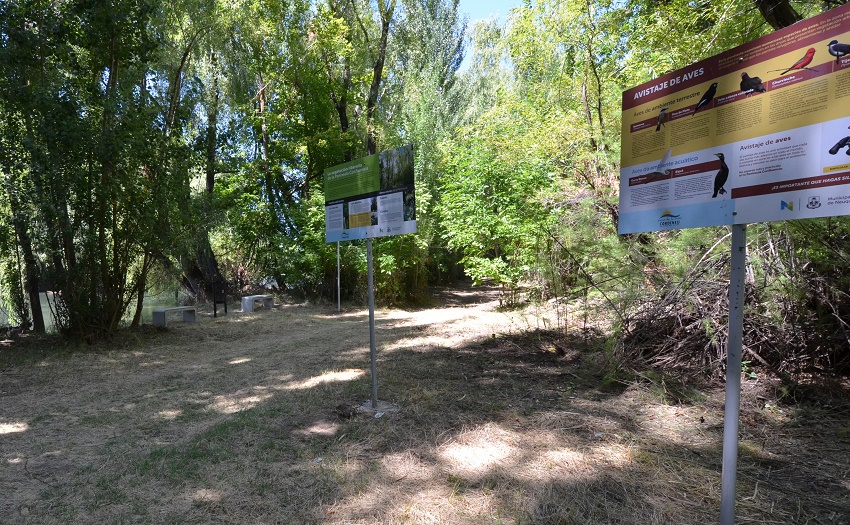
[(212, 137), (30, 267), (141, 284), (778, 13), (386, 10)]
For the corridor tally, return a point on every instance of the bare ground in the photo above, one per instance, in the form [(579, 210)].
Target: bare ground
[(249, 418)]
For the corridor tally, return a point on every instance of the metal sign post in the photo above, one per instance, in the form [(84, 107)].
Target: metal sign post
[(338, 286), (373, 196), (372, 352), (734, 351)]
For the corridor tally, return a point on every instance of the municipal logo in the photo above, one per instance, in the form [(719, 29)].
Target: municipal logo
[(787, 206), (668, 220), (814, 203)]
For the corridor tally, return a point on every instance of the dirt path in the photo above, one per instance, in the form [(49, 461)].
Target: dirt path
[(242, 419)]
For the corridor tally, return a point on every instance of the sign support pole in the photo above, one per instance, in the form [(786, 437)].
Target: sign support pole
[(734, 352), (338, 286), (372, 352)]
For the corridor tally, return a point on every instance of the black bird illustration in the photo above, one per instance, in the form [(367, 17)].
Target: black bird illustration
[(840, 144), (750, 84), (838, 50), (662, 117), (706, 98), (721, 177)]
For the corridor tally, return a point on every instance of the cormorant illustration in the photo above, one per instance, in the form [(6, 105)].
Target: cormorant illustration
[(721, 177)]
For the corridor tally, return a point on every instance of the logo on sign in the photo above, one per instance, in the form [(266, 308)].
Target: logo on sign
[(668, 220), (787, 206), (814, 203)]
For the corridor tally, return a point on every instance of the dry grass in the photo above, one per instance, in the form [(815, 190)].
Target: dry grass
[(233, 420)]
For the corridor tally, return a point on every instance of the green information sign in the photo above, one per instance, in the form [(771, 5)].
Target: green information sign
[(371, 197), (357, 177)]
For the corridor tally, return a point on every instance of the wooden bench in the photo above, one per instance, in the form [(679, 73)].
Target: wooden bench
[(159, 314), (248, 302)]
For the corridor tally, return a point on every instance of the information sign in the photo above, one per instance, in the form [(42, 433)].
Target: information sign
[(758, 133), (371, 197)]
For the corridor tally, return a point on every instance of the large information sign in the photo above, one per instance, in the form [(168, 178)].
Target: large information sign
[(758, 133), (371, 197)]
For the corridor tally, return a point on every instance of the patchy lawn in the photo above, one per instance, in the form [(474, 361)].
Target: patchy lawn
[(253, 418)]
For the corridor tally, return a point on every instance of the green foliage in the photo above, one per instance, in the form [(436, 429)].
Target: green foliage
[(146, 141), (490, 207)]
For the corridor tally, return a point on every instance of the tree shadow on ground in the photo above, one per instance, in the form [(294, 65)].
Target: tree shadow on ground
[(512, 426)]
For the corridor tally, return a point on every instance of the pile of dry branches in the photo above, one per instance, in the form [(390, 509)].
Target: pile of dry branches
[(683, 326)]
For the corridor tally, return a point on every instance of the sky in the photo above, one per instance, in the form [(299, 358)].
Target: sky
[(477, 9), (484, 9)]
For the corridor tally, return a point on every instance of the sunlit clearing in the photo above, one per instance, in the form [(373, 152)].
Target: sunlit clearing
[(11, 428), (329, 377), (406, 466), (170, 415), (444, 505), (207, 495), (240, 361), (557, 464), (613, 455), (565, 459), (319, 428), (238, 401), (478, 451)]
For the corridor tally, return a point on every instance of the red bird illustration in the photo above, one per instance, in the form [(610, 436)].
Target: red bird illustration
[(803, 62)]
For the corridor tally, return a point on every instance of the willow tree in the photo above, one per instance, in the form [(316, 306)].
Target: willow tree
[(96, 175)]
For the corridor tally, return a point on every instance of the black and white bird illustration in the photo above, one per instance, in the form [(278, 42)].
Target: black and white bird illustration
[(838, 50), (750, 85), (662, 117), (721, 177), (707, 97)]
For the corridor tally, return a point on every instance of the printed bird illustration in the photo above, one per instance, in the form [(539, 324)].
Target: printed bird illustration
[(840, 144), (803, 62), (750, 84), (721, 177), (662, 117), (658, 175), (659, 171), (707, 97), (838, 50)]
